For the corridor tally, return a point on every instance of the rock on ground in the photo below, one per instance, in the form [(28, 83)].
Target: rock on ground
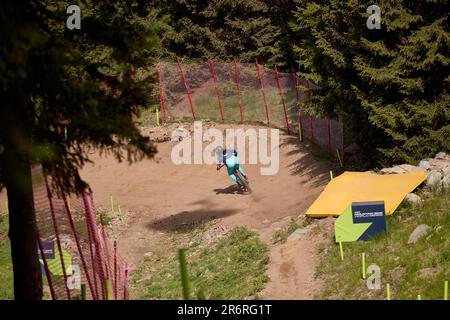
[(438, 169), (297, 234), (393, 170), (413, 198), (427, 272), (402, 169), (441, 155), (425, 164), (446, 182), (421, 231), (446, 171), (434, 178)]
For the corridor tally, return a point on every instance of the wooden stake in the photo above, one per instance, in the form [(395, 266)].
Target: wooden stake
[(341, 250), (331, 174)]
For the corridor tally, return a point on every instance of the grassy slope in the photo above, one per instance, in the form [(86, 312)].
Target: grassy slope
[(206, 107), (399, 262), (232, 268), (253, 106), (6, 276)]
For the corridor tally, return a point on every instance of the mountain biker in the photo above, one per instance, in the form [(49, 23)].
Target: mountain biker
[(230, 159)]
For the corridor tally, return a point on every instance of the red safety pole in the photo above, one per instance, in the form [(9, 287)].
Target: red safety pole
[(125, 284), (77, 241), (90, 237), (47, 271), (118, 280), (91, 242), (58, 241), (161, 95), (216, 88), (236, 76), (134, 110), (311, 127), (263, 93), (282, 100), (297, 97), (106, 248), (186, 87), (89, 207), (115, 270)]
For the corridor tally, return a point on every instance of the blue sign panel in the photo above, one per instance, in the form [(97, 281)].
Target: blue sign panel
[(48, 247), (372, 212)]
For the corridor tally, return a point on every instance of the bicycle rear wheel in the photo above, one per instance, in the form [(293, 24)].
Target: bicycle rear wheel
[(242, 181)]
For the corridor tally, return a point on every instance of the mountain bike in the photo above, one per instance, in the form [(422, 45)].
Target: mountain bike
[(243, 182)]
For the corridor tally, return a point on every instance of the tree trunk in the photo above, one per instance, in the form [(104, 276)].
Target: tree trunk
[(16, 169), (22, 228)]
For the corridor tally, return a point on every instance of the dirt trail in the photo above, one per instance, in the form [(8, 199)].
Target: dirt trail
[(160, 196)]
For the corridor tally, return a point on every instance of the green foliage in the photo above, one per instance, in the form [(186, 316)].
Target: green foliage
[(102, 215), (6, 274), (51, 78), (227, 29), (389, 86), (232, 268), (51, 82), (399, 261)]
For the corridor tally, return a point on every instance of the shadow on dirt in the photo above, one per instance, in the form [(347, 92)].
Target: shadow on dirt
[(185, 221), (310, 162), (232, 189)]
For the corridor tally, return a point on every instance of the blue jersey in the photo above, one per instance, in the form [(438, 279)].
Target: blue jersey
[(229, 158)]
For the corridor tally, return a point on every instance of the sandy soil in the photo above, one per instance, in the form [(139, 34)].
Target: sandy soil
[(159, 196)]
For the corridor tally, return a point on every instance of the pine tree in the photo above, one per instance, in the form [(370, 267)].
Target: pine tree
[(390, 86), (52, 77), (226, 29)]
